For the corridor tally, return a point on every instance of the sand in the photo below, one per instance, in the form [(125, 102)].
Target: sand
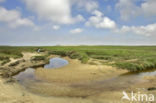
[(76, 72)]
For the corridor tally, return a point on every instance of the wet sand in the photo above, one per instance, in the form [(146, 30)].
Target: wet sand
[(14, 93), (76, 72)]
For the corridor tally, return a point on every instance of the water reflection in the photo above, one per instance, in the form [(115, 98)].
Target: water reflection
[(26, 76), (56, 63)]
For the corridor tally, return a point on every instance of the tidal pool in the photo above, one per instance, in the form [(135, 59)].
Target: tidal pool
[(56, 63), (36, 85), (29, 74)]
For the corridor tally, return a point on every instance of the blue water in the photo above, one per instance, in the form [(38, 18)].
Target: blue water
[(29, 74), (56, 63)]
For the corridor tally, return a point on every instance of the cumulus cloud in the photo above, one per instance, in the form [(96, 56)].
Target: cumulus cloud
[(55, 27), (129, 9), (76, 31), (98, 20), (56, 11), (13, 18), (148, 30)]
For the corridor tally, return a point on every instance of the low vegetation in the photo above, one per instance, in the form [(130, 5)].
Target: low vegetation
[(16, 62), (7, 52), (4, 60), (132, 58), (38, 58), (71, 54)]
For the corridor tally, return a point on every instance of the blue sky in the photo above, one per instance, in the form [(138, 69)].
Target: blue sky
[(77, 22)]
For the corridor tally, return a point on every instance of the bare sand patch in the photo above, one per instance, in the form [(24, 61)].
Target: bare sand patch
[(76, 72), (14, 93)]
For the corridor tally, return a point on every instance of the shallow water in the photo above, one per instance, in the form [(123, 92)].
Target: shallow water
[(26, 76), (29, 80), (29, 74), (56, 63)]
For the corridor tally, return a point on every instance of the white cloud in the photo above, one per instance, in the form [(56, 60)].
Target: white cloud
[(79, 18), (149, 7), (13, 18), (129, 9), (76, 31), (97, 13), (100, 21), (56, 11), (88, 5), (56, 27), (148, 30)]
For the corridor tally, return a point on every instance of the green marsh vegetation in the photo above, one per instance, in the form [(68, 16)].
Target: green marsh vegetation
[(132, 58), (38, 58), (7, 52)]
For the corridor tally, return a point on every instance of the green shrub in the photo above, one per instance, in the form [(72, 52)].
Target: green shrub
[(5, 61), (74, 55), (103, 57), (4, 58), (14, 64), (84, 59)]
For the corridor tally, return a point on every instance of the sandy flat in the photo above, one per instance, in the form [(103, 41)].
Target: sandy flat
[(75, 72)]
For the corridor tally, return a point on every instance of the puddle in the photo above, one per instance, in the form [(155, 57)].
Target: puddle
[(56, 63), (150, 73), (28, 75)]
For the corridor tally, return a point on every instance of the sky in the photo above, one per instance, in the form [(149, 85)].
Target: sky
[(77, 22)]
